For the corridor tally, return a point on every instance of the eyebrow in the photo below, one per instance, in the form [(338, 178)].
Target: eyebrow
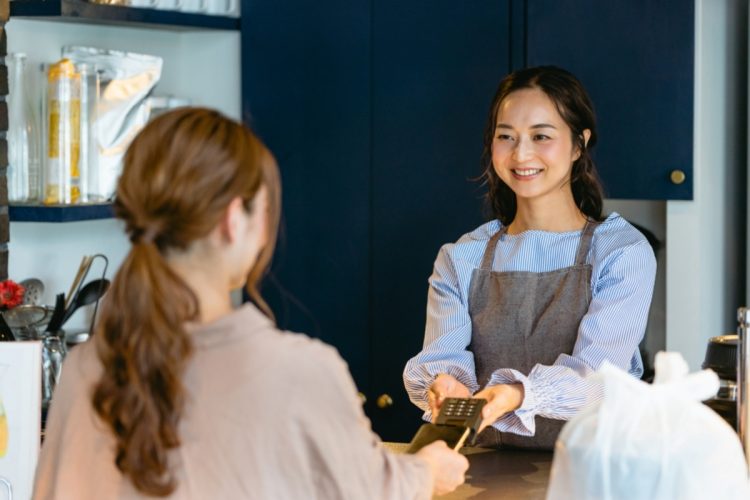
[(538, 125)]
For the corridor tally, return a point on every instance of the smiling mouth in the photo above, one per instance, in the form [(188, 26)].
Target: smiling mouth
[(526, 172)]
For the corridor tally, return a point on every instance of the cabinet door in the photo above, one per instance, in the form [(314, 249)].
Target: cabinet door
[(635, 57), (306, 91), (375, 112), (435, 68)]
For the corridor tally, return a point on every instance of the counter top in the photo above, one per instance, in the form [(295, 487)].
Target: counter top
[(517, 474)]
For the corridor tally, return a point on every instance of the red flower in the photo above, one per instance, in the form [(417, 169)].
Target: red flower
[(11, 294)]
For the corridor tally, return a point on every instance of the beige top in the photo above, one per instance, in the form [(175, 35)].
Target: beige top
[(270, 415)]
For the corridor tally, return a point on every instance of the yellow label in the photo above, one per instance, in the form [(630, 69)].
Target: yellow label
[(3, 431), (54, 129), (59, 153)]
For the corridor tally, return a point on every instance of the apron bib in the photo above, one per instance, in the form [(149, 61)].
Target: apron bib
[(520, 319)]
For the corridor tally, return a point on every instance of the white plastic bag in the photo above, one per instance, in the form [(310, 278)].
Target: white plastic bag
[(646, 441)]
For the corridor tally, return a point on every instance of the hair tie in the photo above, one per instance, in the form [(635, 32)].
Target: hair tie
[(145, 236)]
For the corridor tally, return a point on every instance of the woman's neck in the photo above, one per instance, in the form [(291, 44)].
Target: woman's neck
[(202, 278), (554, 217)]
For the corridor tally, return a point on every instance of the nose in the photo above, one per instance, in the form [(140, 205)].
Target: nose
[(523, 149)]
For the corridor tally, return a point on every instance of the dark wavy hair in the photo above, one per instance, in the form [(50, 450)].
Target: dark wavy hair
[(180, 174), (576, 109)]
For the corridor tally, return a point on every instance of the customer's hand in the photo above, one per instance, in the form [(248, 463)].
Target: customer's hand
[(448, 467), (445, 386), (500, 400)]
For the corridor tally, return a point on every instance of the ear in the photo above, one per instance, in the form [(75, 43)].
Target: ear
[(586, 136), (229, 223)]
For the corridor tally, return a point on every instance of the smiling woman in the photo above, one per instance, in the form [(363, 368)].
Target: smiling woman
[(521, 309)]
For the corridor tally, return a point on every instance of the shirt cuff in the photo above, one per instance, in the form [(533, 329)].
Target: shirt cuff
[(521, 421)]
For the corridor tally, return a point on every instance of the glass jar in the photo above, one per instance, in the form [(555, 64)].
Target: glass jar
[(24, 148), (63, 133), (89, 139)]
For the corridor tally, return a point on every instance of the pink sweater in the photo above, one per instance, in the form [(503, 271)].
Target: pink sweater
[(270, 415)]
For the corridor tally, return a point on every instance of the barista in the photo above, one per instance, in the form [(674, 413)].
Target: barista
[(522, 308)]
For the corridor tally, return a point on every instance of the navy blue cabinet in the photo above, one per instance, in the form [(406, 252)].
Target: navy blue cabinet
[(375, 111), (636, 59), (435, 69), (306, 84)]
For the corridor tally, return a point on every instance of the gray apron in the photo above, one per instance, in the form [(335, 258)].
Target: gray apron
[(520, 319)]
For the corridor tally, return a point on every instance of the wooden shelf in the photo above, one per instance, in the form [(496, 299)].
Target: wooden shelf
[(59, 213), (78, 11)]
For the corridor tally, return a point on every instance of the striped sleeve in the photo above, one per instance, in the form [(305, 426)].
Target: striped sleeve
[(447, 336), (611, 330)]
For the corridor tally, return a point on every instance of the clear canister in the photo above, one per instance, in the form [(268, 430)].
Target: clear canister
[(24, 165), (89, 138), (63, 124)]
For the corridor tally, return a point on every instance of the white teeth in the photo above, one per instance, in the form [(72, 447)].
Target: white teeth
[(527, 172)]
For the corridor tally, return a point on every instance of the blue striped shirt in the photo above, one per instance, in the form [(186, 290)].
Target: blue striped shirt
[(622, 282)]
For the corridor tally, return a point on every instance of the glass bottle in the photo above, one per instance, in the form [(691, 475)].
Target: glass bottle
[(24, 148), (63, 132), (89, 138)]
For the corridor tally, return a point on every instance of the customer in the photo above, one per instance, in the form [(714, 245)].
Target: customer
[(180, 395), (522, 308)]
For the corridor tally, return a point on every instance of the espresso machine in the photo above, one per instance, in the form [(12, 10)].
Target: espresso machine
[(721, 357)]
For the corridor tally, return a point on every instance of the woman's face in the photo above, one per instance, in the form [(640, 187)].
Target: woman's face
[(532, 150)]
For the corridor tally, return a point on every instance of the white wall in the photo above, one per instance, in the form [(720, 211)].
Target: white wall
[(705, 284), (202, 66)]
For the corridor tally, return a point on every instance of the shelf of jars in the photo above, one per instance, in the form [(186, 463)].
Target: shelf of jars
[(78, 11), (59, 213)]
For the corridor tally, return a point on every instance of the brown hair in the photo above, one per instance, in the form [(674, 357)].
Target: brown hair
[(180, 174), (576, 109)]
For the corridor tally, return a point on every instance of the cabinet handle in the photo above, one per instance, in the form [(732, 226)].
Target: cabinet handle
[(384, 401), (677, 176), (362, 397)]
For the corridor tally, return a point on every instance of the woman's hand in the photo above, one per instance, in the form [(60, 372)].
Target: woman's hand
[(500, 400), (445, 386), (448, 466)]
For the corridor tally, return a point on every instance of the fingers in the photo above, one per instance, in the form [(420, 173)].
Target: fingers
[(493, 409), (490, 413), (501, 399), (435, 400), (448, 467)]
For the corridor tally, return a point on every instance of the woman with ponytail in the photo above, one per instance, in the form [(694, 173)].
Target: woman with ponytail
[(522, 308), (180, 395)]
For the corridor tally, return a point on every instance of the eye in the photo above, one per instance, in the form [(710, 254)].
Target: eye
[(505, 137), (542, 137)]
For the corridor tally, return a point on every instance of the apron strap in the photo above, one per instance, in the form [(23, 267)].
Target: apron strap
[(585, 244), (489, 251)]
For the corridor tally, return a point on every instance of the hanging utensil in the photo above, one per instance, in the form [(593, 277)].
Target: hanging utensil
[(83, 270), (34, 289), (57, 315), (88, 294)]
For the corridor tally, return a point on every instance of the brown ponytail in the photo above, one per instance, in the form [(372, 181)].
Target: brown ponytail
[(180, 174)]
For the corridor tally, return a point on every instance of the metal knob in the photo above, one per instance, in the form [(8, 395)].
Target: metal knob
[(384, 401), (677, 176), (362, 397)]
